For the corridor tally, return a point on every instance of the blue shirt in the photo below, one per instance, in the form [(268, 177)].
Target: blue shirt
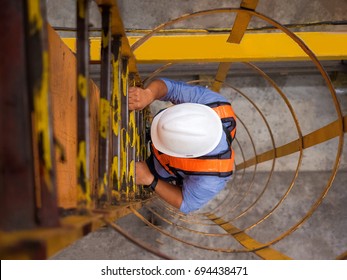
[(197, 190)]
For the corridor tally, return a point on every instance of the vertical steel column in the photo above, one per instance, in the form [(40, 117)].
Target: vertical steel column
[(104, 189), (83, 178), (116, 119), (38, 82), (124, 169), (132, 147), (140, 145), (17, 190)]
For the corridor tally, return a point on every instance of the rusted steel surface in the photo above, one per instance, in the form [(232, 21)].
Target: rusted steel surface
[(83, 179), (116, 118), (42, 243), (41, 112), (104, 185), (124, 132), (133, 190), (64, 108), (117, 29), (17, 198)]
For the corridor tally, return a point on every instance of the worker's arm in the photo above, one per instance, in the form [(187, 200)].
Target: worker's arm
[(172, 194), (140, 98)]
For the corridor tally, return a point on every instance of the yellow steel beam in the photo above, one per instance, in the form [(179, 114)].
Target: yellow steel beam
[(316, 137), (213, 48), (260, 249), (241, 22)]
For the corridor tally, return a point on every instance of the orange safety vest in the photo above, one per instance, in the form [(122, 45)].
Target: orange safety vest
[(221, 165)]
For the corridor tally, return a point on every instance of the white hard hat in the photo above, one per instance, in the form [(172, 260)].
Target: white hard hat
[(186, 130)]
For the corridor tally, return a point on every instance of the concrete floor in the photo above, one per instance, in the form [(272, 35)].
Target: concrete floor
[(323, 235)]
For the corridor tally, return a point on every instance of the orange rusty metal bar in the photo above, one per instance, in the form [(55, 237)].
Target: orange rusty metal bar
[(221, 75), (241, 22)]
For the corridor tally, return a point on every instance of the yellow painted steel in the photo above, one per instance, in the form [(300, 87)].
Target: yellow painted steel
[(241, 22), (41, 119), (138, 143), (102, 186), (221, 75), (248, 242), (35, 17), (213, 48), (115, 177), (117, 29), (314, 138), (124, 140), (116, 97), (104, 117), (82, 85), (83, 195), (116, 124), (131, 180), (132, 143), (132, 128), (123, 162)]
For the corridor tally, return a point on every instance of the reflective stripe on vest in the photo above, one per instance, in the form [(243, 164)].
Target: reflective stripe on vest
[(219, 165)]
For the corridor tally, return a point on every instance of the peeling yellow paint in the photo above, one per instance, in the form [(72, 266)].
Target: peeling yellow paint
[(102, 187), (41, 118), (82, 85), (104, 117), (115, 173), (132, 175), (138, 143), (35, 17), (105, 40), (82, 163), (132, 128), (116, 96)]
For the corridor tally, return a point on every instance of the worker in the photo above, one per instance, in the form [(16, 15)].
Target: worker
[(191, 156)]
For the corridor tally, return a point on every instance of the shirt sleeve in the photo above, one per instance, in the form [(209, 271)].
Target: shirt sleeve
[(180, 92), (198, 190)]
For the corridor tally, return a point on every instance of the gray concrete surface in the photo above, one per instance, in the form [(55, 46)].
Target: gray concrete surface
[(323, 235), (149, 14)]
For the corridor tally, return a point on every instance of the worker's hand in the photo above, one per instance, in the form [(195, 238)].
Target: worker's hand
[(143, 175), (139, 98)]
